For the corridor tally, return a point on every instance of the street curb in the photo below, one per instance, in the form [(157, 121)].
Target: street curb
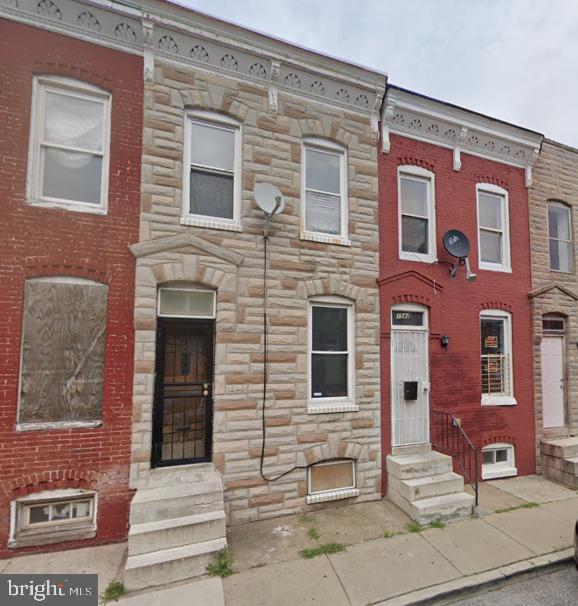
[(454, 588)]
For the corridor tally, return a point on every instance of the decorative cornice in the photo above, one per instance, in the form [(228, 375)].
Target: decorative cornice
[(160, 245), (417, 117), (163, 31)]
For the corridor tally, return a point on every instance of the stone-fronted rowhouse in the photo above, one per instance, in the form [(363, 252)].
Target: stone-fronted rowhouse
[(456, 353), (227, 109), (70, 152), (554, 299)]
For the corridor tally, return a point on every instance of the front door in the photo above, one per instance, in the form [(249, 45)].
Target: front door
[(183, 392), (552, 355), (409, 375)]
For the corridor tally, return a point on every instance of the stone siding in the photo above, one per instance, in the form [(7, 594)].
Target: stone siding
[(555, 178), (232, 263)]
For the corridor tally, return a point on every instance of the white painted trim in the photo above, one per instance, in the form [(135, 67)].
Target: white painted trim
[(499, 470), (74, 88), (422, 174), (332, 495), (506, 265), (212, 119), (329, 147), (322, 405), (330, 408), (55, 425), (501, 399)]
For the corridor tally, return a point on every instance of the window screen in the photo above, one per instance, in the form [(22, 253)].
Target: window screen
[(330, 353), (560, 237)]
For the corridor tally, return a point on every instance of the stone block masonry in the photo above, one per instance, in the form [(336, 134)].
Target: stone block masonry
[(231, 262)]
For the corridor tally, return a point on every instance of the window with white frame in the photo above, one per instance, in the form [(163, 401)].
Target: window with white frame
[(493, 228), (496, 358), (69, 145), (416, 209), (331, 353), (560, 237), (212, 170), (331, 480), (498, 461), (324, 190), (181, 302), (52, 516)]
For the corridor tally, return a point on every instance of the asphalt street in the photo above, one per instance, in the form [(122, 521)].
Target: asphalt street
[(554, 588)]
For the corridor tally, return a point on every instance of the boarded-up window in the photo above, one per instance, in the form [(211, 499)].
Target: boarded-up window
[(62, 351), (333, 475)]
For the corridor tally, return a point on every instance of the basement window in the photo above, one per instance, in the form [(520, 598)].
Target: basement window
[(53, 517), (498, 461), (331, 480)]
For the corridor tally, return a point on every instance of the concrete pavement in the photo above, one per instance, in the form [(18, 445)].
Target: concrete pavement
[(506, 539)]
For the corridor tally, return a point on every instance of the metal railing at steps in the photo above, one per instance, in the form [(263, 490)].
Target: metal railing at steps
[(447, 436)]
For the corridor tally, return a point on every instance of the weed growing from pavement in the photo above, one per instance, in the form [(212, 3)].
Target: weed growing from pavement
[(388, 534), (326, 549), (437, 524), (313, 534), (529, 505), (113, 591), (305, 519), (222, 565), (414, 527)]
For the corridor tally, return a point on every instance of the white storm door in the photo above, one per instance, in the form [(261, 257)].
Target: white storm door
[(552, 355), (410, 364)]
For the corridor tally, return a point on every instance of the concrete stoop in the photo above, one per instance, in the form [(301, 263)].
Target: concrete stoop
[(560, 460), (177, 526), (425, 487)]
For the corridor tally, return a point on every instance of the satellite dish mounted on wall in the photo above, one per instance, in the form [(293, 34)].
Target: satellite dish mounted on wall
[(270, 200), (457, 245)]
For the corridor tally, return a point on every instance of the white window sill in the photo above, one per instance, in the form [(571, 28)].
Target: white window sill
[(332, 495), (52, 535), (498, 400), (315, 408), (211, 223), (489, 267), (489, 473), (325, 238), (406, 256), (57, 425), (94, 209)]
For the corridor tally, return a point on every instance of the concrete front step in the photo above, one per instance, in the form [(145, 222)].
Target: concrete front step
[(560, 448), (428, 486), (170, 565), (176, 532), (445, 508), (182, 500), (426, 464), (569, 465)]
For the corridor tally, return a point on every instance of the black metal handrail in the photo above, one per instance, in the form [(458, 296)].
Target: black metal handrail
[(448, 436)]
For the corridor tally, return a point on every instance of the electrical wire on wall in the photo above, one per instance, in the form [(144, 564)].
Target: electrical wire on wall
[(265, 367)]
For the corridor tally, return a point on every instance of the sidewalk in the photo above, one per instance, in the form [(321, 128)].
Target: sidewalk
[(407, 567), (509, 536)]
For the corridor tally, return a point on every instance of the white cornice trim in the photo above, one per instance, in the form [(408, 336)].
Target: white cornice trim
[(458, 129)]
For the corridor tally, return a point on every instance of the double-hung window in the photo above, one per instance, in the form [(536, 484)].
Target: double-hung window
[(324, 192), (331, 354), (560, 237), (69, 145), (493, 228), (212, 169), (416, 214), (496, 358)]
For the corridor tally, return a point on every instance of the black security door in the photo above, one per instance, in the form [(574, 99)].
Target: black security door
[(182, 424)]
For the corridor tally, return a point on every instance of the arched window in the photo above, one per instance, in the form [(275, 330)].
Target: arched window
[(560, 237), (498, 461)]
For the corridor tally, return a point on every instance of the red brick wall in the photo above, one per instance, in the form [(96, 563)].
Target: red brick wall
[(455, 304), (41, 241)]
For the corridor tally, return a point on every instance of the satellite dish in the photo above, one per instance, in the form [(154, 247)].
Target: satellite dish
[(269, 198), (456, 243)]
